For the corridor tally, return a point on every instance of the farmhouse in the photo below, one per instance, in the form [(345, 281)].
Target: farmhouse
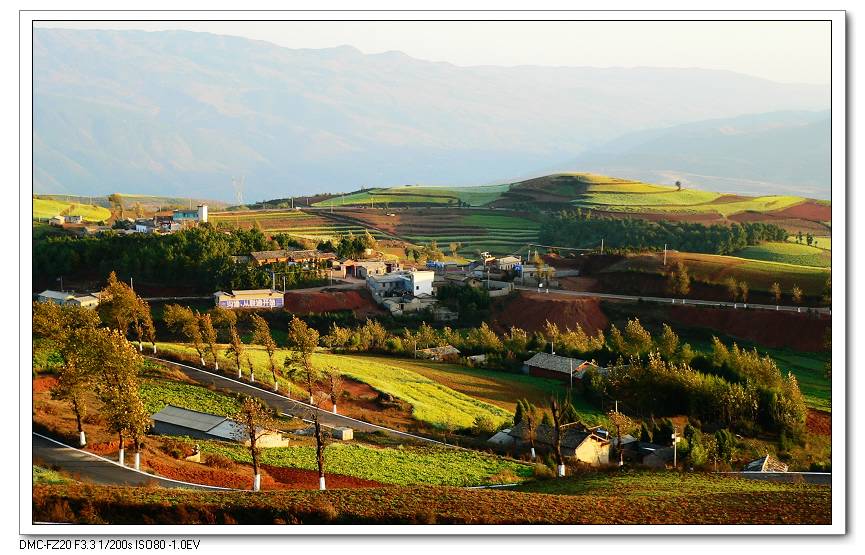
[(765, 464), (587, 445), (249, 298), (77, 219), (190, 217), (176, 421), (545, 365), (67, 298), (412, 283), (506, 263), (57, 221)]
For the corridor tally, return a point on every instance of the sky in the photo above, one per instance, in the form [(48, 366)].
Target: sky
[(783, 51)]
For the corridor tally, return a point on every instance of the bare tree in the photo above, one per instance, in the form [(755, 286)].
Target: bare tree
[(744, 288), (254, 419), (320, 437), (797, 294), (333, 384)]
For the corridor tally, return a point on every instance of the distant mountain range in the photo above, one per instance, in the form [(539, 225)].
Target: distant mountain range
[(786, 153), (181, 113)]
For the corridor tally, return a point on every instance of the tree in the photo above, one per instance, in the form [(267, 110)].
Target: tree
[(668, 343), (679, 280), (255, 419), (726, 445), (455, 247), (645, 433), (183, 321), (235, 349), (530, 419), (775, 290), (638, 341), (678, 185), (114, 364), (73, 383), (557, 409), (620, 422), (796, 294), (827, 291), (117, 304), (743, 291), (320, 437), (261, 336), (302, 340), (208, 334), (333, 385), (732, 288)]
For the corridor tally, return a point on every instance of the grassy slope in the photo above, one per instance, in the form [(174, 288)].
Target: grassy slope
[(158, 393), (475, 196), (717, 268), (431, 402), (45, 208), (788, 253)]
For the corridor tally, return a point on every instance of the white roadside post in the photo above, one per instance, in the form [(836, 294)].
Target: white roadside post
[(321, 483), (675, 441), (137, 460), (121, 456), (82, 439), (256, 483)]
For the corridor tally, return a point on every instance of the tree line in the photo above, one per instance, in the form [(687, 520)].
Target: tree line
[(579, 228), (200, 257)]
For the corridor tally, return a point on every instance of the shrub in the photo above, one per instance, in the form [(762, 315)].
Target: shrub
[(215, 460), (542, 471)]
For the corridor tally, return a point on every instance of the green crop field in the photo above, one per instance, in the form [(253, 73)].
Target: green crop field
[(47, 208), (790, 253), (403, 466), (820, 242), (500, 222), (158, 394), (431, 402), (499, 388)]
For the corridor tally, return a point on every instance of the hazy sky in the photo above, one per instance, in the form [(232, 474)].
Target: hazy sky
[(785, 51)]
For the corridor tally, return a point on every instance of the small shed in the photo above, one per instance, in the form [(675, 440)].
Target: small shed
[(445, 352), (177, 421), (343, 433)]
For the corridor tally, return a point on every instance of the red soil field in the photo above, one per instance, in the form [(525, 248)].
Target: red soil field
[(772, 329), (819, 422), (358, 301), (295, 478), (530, 311), (807, 211)]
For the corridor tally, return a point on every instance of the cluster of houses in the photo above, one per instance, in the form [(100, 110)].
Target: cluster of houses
[(167, 221)]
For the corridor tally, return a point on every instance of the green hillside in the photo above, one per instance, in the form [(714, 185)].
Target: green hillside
[(48, 208)]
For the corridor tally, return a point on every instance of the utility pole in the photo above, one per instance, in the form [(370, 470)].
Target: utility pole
[(283, 283), (571, 365), (273, 277), (130, 283), (602, 245), (665, 254)]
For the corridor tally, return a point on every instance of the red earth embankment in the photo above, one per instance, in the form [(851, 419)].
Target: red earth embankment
[(530, 311), (358, 301), (801, 332)]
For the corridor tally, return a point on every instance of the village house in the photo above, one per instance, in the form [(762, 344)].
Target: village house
[(176, 421), (588, 445), (412, 283), (249, 298), (506, 263), (546, 365), (68, 298)]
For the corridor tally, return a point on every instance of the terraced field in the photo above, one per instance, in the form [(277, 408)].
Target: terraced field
[(294, 222), (44, 209), (789, 253), (473, 196)]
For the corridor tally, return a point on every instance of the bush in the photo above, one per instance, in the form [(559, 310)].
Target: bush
[(542, 471), (215, 460)]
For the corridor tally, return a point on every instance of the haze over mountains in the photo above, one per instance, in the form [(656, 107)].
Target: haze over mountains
[(181, 113)]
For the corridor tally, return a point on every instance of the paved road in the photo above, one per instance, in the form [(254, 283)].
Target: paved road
[(96, 469), (820, 478), (666, 300), (288, 406)]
